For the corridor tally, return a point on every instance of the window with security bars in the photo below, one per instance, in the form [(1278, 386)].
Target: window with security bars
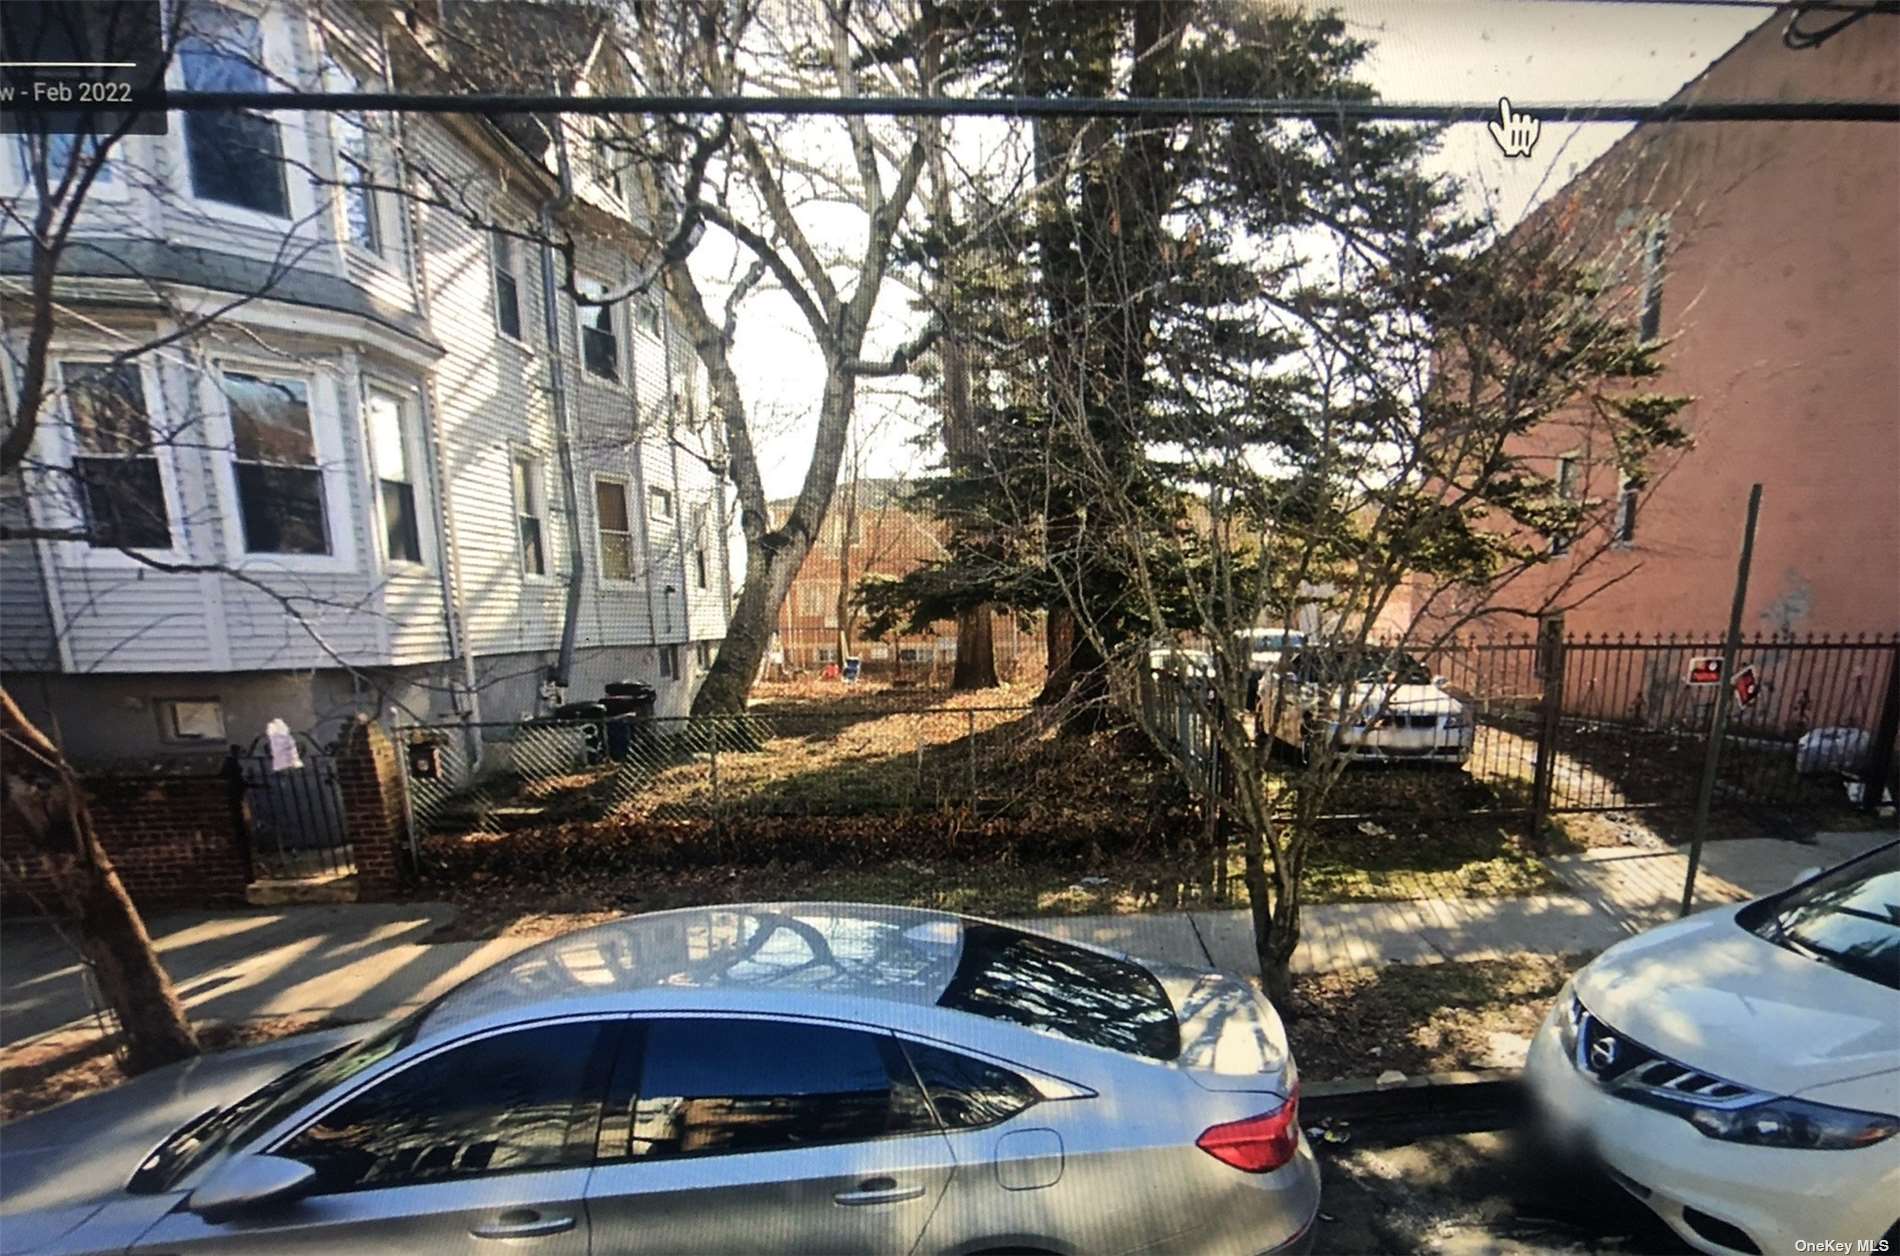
[(121, 491)]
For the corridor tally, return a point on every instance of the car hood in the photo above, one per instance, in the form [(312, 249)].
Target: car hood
[(1709, 994), (62, 1165), (1410, 699)]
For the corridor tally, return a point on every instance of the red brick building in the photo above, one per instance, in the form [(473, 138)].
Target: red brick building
[(1766, 255)]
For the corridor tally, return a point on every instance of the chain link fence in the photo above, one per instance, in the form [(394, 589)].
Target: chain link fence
[(843, 762)]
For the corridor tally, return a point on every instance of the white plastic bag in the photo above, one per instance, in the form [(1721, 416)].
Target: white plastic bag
[(1832, 750), (283, 747)]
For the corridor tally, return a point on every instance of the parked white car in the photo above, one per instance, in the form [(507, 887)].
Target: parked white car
[(1374, 705), (1739, 1071)]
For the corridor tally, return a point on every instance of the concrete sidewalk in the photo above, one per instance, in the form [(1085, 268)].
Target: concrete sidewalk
[(370, 960), (1640, 887)]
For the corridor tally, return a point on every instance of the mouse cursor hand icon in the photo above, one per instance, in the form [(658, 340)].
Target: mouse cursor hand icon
[(1516, 133)]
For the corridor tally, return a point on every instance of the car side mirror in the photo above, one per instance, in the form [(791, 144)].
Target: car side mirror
[(251, 1182), (1804, 874)]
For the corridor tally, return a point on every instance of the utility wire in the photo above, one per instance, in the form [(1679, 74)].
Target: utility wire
[(1554, 112)]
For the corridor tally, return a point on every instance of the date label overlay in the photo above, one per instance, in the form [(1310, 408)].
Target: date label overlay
[(83, 67)]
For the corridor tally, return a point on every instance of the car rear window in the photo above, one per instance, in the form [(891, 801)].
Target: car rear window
[(1010, 975)]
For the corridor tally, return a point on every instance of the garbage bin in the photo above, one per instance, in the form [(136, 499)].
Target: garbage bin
[(629, 705), (595, 715)]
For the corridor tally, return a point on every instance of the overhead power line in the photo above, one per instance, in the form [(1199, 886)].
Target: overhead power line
[(1555, 112)]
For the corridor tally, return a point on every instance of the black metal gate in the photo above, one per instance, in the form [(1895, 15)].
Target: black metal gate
[(294, 814)]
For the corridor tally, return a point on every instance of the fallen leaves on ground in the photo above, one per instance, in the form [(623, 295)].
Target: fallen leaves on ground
[(1421, 1018), (53, 1069)]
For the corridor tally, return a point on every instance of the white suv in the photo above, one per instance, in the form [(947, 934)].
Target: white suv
[(1739, 1071)]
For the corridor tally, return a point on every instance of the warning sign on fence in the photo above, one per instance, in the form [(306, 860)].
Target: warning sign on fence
[(1706, 670), (1747, 686)]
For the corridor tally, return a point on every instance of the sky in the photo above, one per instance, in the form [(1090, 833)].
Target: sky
[(1424, 50)]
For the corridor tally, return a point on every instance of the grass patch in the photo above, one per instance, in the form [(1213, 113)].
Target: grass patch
[(1423, 1018)]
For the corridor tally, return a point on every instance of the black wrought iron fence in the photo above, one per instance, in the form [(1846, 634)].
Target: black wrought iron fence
[(293, 810)]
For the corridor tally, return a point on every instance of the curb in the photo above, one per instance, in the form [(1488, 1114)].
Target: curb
[(1451, 1097)]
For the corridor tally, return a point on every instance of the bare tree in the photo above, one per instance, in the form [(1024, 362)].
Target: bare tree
[(779, 192)]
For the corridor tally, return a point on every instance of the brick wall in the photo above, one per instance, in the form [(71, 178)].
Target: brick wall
[(173, 838), (373, 808)]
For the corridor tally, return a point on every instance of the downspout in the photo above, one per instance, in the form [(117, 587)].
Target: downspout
[(468, 701), (557, 399)]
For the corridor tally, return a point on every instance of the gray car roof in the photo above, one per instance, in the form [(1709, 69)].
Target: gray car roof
[(902, 955)]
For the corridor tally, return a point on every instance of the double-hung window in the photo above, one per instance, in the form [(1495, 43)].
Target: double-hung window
[(615, 524), (115, 464), (599, 337), (1569, 489), (1628, 497), (355, 165), (530, 513), (236, 156), (507, 285), (396, 451), (274, 455)]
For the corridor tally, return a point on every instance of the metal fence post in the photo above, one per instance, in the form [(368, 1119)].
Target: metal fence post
[(1879, 771), (712, 765), (917, 731), (970, 740), (1550, 654)]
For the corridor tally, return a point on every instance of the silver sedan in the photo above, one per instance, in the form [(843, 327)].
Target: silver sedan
[(764, 1078)]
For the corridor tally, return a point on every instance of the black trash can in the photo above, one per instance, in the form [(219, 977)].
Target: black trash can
[(595, 716)]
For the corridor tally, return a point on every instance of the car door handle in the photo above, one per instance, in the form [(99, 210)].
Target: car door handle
[(879, 1190), (522, 1223)]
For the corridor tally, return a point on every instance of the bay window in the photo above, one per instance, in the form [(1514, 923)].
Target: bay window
[(236, 156), (280, 489), (397, 453), (355, 165), (115, 465)]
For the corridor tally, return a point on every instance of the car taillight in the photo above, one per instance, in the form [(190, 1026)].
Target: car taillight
[(1258, 1144)]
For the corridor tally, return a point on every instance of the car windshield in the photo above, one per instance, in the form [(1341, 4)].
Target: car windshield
[(192, 1144), (1009, 975), (1266, 639), (1848, 919)]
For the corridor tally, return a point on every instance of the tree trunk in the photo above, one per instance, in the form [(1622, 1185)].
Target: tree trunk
[(770, 566), (976, 649), (45, 803)]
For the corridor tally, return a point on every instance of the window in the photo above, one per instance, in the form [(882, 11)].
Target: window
[(61, 152), (235, 156), (1628, 497), (699, 567), (356, 170), (704, 652), (722, 1087), (115, 466), (827, 654), (646, 313), (1569, 488), (190, 720), (966, 1092), (606, 158), (529, 512), (392, 443), (912, 654), (279, 485), (1654, 244), (600, 343), (660, 503), (1051, 986), (669, 662), (616, 529), (507, 286), (812, 599), (525, 1099)]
